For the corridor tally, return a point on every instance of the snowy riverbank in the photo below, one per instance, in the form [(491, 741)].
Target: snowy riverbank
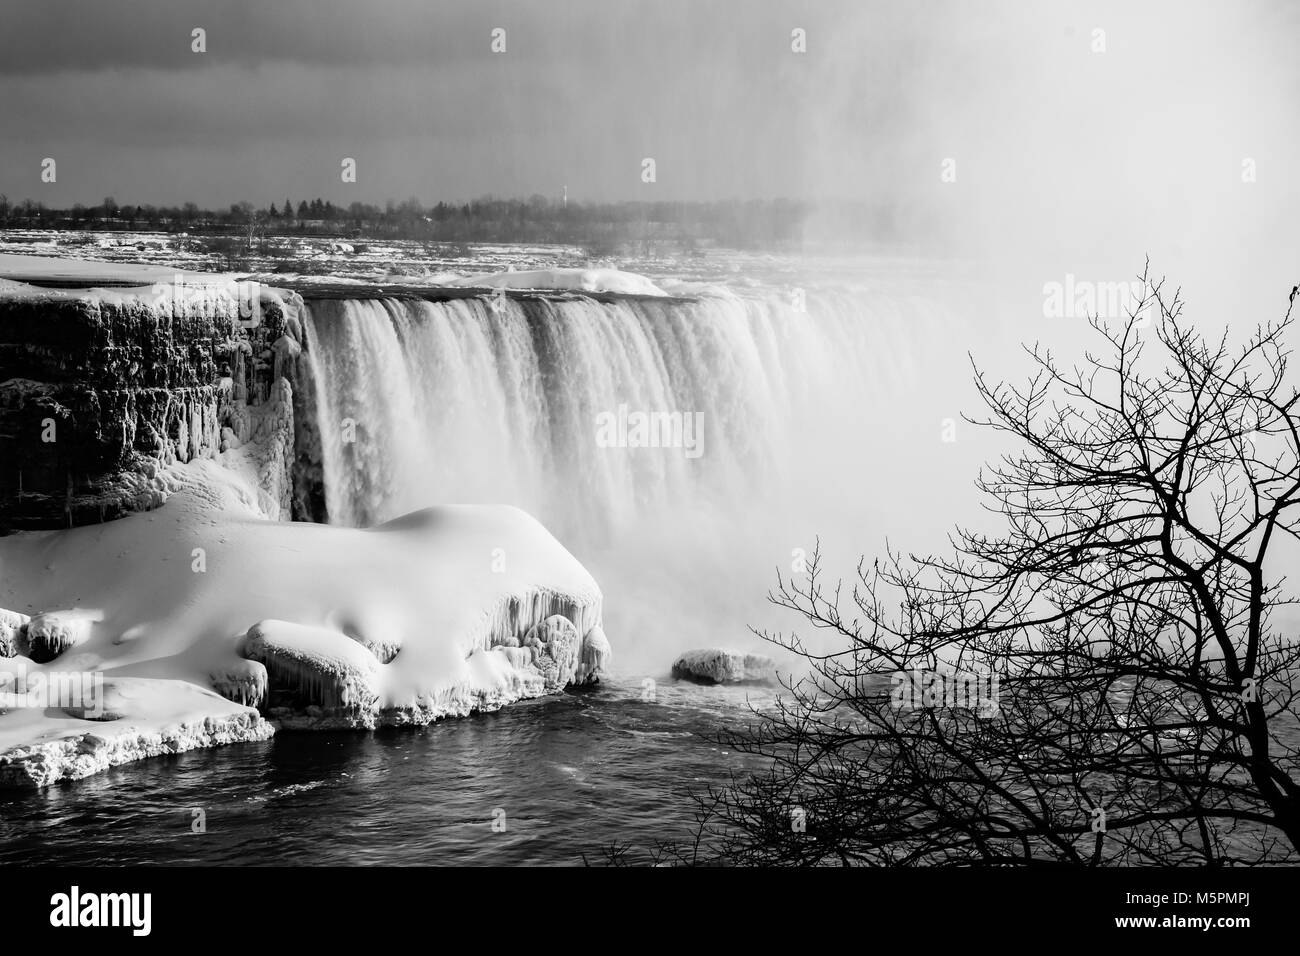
[(441, 613)]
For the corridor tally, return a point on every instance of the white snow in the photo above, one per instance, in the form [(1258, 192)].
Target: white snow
[(196, 293), (403, 623), (23, 267), (51, 633), (141, 718), (580, 280)]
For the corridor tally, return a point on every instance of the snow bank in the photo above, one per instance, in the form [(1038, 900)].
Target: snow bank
[(169, 290), (143, 718), (52, 269), (717, 666), (579, 280), (321, 626)]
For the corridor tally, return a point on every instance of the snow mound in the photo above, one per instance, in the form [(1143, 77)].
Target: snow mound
[(578, 280), (374, 628), (338, 673), (718, 666), (16, 268), (321, 626)]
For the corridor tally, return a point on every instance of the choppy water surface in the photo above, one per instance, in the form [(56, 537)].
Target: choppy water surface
[(572, 773)]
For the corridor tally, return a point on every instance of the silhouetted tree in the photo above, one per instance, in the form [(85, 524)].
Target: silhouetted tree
[(1144, 707)]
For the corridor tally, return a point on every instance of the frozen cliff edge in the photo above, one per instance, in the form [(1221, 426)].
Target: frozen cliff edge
[(192, 615), (102, 389)]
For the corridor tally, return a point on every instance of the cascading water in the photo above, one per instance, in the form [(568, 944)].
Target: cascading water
[(801, 411)]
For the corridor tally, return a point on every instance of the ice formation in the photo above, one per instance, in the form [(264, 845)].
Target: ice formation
[(243, 681), (132, 380), (718, 666), (11, 632), (319, 626), (327, 677), (595, 654), (50, 633), (556, 646), (333, 671)]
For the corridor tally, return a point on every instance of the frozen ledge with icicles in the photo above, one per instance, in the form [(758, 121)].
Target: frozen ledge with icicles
[(203, 622)]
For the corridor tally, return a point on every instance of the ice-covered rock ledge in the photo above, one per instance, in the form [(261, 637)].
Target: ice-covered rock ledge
[(101, 389), (442, 612), (142, 718)]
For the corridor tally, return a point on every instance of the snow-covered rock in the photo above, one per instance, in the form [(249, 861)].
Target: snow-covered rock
[(117, 382), (161, 717), (243, 681), (718, 666), (51, 633), (327, 667), (322, 626)]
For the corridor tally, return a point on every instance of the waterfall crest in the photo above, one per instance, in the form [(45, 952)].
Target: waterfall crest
[(500, 400)]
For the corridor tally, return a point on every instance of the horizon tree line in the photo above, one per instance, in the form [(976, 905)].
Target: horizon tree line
[(752, 223)]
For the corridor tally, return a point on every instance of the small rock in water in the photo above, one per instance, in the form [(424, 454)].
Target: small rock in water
[(718, 666)]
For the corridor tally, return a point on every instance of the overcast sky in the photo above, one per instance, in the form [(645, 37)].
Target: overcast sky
[(1042, 128)]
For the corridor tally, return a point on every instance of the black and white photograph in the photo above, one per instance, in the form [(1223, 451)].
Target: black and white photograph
[(613, 435)]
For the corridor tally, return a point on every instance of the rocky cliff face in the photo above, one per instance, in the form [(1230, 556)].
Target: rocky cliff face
[(99, 389)]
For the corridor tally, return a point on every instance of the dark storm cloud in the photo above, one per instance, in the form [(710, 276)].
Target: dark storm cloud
[(48, 36), (1043, 129), (586, 89)]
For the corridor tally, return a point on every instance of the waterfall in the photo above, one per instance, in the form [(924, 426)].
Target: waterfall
[(501, 400)]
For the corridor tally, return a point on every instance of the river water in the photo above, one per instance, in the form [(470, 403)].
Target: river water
[(540, 782)]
